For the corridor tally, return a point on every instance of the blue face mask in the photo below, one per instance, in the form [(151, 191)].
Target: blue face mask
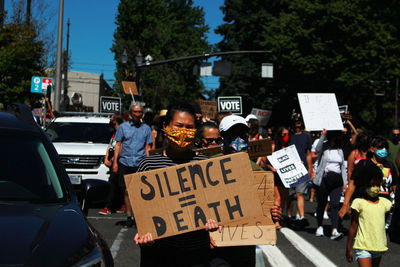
[(382, 153), (238, 144)]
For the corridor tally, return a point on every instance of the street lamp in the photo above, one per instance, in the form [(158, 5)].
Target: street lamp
[(124, 57), (139, 62)]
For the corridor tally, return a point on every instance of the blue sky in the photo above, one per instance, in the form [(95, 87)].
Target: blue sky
[(92, 28)]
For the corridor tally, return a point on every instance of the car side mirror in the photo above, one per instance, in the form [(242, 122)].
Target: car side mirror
[(93, 191)]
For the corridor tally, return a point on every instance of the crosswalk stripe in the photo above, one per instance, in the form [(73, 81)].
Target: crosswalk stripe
[(275, 256), (307, 249), (117, 243)]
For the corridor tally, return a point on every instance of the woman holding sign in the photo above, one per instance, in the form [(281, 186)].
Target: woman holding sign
[(188, 249)]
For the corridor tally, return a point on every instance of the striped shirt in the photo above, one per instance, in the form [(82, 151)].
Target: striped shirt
[(188, 241)]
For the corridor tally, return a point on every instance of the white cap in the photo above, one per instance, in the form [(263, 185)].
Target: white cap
[(251, 116), (228, 121)]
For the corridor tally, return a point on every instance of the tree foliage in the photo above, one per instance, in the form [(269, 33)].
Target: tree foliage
[(347, 47), (164, 29), (22, 55)]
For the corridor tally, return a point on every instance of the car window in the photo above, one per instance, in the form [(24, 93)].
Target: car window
[(27, 172), (80, 132)]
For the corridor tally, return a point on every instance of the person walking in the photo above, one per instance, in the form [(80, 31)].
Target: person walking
[(303, 143), (368, 221), (133, 143), (114, 198), (331, 178)]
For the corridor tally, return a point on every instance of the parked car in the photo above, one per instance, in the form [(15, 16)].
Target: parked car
[(41, 222), (81, 143)]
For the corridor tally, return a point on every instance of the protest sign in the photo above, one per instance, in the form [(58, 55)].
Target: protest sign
[(289, 167), (259, 148), (262, 115), (208, 108), (179, 199), (252, 231), (209, 151), (320, 111)]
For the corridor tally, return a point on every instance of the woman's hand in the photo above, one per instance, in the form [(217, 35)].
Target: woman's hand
[(145, 240), (212, 225), (276, 212)]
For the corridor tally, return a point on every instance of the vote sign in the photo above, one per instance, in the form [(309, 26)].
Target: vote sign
[(230, 104), (39, 84), (110, 104)]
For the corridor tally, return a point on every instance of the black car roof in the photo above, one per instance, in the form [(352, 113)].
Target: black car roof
[(10, 122)]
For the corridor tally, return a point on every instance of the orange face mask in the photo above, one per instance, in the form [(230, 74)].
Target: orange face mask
[(181, 137)]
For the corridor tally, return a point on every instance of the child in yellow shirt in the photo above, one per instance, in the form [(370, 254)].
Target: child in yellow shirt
[(368, 221)]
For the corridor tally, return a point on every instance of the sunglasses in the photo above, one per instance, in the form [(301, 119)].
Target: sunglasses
[(137, 111), (211, 140), (285, 134)]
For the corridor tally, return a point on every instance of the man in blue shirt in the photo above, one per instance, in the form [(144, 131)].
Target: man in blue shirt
[(133, 143)]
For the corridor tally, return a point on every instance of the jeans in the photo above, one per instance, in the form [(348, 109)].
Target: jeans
[(334, 193)]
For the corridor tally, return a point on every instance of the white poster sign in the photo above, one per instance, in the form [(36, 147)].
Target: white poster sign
[(289, 167), (320, 111), (262, 115)]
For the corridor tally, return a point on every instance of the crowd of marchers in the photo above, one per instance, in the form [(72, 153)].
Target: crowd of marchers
[(350, 174)]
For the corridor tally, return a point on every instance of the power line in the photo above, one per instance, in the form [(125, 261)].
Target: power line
[(94, 64)]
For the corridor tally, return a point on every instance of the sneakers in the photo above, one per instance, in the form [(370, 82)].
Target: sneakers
[(320, 231), (336, 235), (130, 221), (105, 211), (326, 217), (121, 210)]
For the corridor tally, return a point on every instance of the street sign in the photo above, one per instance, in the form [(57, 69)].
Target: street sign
[(230, 104), (110, 104), (39, 84)]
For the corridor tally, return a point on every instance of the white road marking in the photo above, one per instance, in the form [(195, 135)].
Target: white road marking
[(117, 242), (275, 256), (307, 249)]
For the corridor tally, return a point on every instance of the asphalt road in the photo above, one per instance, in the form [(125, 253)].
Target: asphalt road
[(294, 248)]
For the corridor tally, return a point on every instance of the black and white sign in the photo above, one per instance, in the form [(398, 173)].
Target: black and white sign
[(289, 167), (110, 104), (230, 104)]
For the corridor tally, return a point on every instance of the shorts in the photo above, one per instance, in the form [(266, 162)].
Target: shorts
[(124, 170), (361, 254), (302, 188)]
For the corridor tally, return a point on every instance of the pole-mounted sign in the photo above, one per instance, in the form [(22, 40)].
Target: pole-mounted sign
[(39, 84), (230, 104), (110, 104)]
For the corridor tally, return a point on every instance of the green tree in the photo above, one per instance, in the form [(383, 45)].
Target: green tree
[(22, 55), (242, 30), (346, 47), (164, 29)]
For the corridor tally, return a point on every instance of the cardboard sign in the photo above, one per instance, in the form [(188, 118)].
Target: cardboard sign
[(208, 108), (259, 148), (253, 231), (230, 104), (179, 199), (320, 111), (130, 88), (289, 167), (262, 115), (210, 151)]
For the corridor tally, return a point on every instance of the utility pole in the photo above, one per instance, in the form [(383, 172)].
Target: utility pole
[(57, 90), (65, 70), (1, 12), (28, 12), (396, 105)]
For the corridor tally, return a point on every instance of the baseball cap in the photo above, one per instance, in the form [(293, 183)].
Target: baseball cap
[(250, 116), (228, 121)]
